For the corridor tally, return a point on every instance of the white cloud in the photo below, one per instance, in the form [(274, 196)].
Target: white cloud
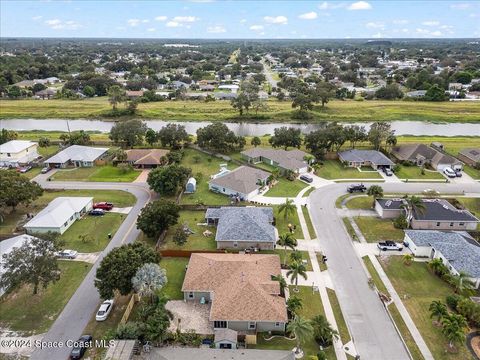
[(460, 6), (256, 27), (427, 32), (58, 24), (431, 23), (309, 16), (151, 29), (53, 22), (276, 19), (378, 35), (359, 5), (201, 1), (243, 21), (328, 6), (161, 18), (35, 18), (375, 25), (185, 19), (133, 22), (145, 21), (400, 22), (217, 29), (173, 24)]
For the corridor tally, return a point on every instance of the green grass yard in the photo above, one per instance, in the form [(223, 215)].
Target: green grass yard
[(350, 229), (374, 275), (175, 268), (375, 229), (474, 173), (337, 312), (361, 202), (286, 188), (281, 253), (105, 173), (415, 172), (308, 192), (34, 314), (308, 220), (282, 223), (333, 169)]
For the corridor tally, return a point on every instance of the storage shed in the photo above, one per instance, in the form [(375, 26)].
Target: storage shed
[(191, 186), (225, 339)]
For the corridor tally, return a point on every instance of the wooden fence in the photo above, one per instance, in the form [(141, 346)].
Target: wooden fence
[(128, 310), (187, 253)]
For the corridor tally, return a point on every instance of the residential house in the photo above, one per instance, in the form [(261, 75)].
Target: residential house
[(421, 154), (25, 83), (46, 94), (239, 289), (470, 156), (458, 251), (176, 85), (438, 214), (372, 158), (134, 94), (285, 160), (146, 158), (417, 94), (207, 87), (59, 215), (78, 156), (225, 339), (243, 227), (179, 353), (225, 96), (15, 153), (244, 182)]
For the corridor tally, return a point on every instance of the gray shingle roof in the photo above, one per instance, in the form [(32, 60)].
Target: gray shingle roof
[(459, 248), (243, 223), (390, 204), (373, 156), (177, 353), (412, 152), (243, 179), (473, 154), (290, 160), (442, 210)]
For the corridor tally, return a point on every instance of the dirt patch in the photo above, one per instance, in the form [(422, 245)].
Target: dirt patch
[(475, 342)]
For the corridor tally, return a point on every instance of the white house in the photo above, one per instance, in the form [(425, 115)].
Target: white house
[(78, 156), (18, 152), (59, 215)]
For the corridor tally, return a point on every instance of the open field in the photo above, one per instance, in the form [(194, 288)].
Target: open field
[(286, 188), (105, 173), (333, 169), (21, 311), (281, 111), (375, 229), (418, 287)]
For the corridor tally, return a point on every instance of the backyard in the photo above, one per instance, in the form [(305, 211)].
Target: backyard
[(105, 173), (33, 314), (333, 169), (375, 229), (286, 188), (175, 268)]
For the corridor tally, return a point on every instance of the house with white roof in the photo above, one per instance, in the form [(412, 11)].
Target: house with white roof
[(18, 152), (59, 215), (78, 156)]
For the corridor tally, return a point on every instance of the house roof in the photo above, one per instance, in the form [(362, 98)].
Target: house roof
[(412, 152), (146, 156), (177, 353), (243, 179), (373, 156), (77, 153), (442, 210), (462, 252), (226, 334), (473, 154), (287, 159), (243, 223), (390, 204), (58, 211), (16, 146), (134, 93), (242, 285)]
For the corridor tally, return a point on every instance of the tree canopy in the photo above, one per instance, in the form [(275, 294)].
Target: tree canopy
[(157, 216), (128, 133), (167, 180), (217, 137), (17, 189)]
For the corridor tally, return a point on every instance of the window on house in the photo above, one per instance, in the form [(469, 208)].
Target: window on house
[(252, 325), (71, 217), (8, 154), (190, 295), (65, 224), (220, 324), (461, 224), (451, 224), (438, 223), (235, 244), (277, 324)]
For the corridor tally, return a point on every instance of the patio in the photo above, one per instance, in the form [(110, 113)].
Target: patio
[(190, 316)]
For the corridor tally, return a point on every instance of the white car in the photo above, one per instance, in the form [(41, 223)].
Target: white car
[(449, 172), (67, 254), (104, 310)]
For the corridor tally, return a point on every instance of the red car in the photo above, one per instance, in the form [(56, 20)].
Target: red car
[(103, 206)]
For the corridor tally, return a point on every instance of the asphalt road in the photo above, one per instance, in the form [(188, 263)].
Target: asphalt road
[(85, 301), (372, 331)]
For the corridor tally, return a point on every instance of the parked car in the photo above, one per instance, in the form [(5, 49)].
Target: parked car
[(449, 172), (103, 205), (458, 172), (104, 310), (80, 346), (388, 171), (24, 169), (46, 169), (97, 212), (306, 178), (67, 254), (356, 188), (389, 245)]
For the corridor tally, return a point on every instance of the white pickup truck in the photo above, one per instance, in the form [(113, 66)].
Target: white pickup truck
[(389, 245)]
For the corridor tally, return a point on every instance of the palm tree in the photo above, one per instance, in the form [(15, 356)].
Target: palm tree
[(436, 265), (302, 329), (295, 270), (454, 326), (275, 174), (413, 204), (287, 208), (391, 140), (115, 95), (294, 304), (296, 256), (461, 282), (323, 331), (282, 282), (309, 159), (286, 240), (438, 309), (376, 191), (408, 259)]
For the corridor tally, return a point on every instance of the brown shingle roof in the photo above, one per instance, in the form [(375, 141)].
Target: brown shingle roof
[(146, 156), (242, 286), (243, 179)]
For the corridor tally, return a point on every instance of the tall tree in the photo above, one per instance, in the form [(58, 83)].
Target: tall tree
[(355, 134), (128, 133), (462, 282), (17, 189), (287, 241), (169, 179), (157, 216), (413, 204), (454, 326), (282, 282), (7, 135), (294, 271), (376, 191), (116, 95), (151, 136), (286, 137), (324, 91), (256, 141), (302, 329), (173, 135), (378, 133), (287, 208), (323, 331), (217, 137)]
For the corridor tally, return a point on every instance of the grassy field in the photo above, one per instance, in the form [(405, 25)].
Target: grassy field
[(375, 229), (337, 312), (308, 192), (333, 169), (308, 220), (105, 173), (96, 228), (282, 223), (472, 204), (47, 151), (415, 172), (195, 241), (280, 111), (361, 202), (14, 219), (286, 188), (33, 314), (175, 268), (418, 287)]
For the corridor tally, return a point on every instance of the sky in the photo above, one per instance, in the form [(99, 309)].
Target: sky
[(240, 19)]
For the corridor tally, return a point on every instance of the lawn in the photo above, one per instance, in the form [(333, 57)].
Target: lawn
[(474, 173), (286, 188), (333, 169), (282, 223), (48, 151), (308, 192), (308, 220), (375, 229), (418, 287), (34, 314), (196, 241), (281, 253), (18, 218), (361, 202), (415, 172), (96, 228), (350, 229), (337, 312), (105, 173), (374, 275), (175, 268), (472, 204)]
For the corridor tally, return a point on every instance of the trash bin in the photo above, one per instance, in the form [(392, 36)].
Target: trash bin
[(109, 235)]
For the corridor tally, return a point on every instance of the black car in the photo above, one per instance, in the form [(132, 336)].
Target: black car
[(96, 212), (306, 178), (80, 346), (356, 188)]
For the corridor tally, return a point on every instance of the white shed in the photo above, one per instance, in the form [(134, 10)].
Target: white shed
[(191, 186)]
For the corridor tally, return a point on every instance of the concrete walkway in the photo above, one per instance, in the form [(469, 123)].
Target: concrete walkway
[(142, 177), (344, 212), (401, 308)]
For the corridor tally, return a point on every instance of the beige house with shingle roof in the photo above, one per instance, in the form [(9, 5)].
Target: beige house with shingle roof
[(286, 160), (240, 289), (421, 154), (146, 158)]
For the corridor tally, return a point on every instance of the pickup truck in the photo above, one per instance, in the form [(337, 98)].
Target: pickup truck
[(356, 188), (389, 245)]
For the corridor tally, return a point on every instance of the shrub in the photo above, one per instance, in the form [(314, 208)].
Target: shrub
[(400, 222), (125, 168), (180, 237), (189, 338), (470, 310), (452, 301), (129, 331)]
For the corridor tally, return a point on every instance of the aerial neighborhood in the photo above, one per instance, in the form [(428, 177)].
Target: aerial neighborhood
[(168, 196)]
